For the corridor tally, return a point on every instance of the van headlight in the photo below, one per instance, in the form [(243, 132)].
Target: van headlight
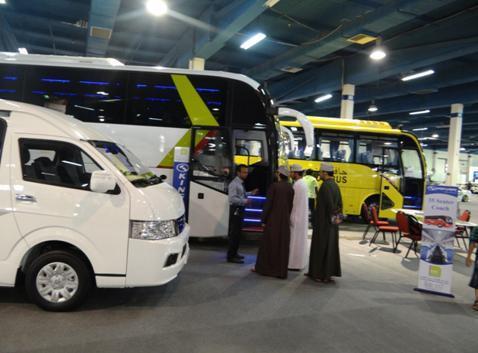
[(153, 230)]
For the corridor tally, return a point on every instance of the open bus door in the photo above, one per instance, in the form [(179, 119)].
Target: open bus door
[(390, 198), (210, 172)]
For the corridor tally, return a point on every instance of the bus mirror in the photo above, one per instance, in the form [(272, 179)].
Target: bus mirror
[(272, 110)]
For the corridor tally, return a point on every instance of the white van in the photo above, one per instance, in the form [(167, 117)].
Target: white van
[(77, 210)]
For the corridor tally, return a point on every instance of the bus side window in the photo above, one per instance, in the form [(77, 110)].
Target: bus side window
[(11, 78), (213, 91), (336, 148), (91, 95), (378, 151), (153, 100)]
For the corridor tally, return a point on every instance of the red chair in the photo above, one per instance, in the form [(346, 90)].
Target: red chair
[(409, 228), (384, 229), (369, 220), (415, 234), (403, 228), (462, 232)]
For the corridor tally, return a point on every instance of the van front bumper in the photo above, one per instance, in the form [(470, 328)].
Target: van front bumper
[(156, 262)]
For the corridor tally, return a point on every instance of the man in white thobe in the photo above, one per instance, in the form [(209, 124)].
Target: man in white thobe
[(299, 220)]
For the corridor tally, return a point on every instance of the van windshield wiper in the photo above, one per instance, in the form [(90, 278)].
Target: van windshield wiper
[(154, 180)]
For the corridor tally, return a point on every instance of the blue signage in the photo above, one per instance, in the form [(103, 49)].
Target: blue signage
[(181, 180)]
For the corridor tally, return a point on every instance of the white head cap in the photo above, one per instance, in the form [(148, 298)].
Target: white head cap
[(296, 168), (326, 167), (283, 170)]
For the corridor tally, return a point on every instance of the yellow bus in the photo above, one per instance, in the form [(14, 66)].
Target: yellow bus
[(373, 163)]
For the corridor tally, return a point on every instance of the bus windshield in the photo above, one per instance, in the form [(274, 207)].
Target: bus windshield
[(127, 163)]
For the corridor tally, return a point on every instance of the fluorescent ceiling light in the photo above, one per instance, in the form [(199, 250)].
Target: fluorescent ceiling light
[(435, 136), (418, 75), (256, 38), (3, 2), (102, 93), (322, 98), (23, 50), (462, 149), (377, 54), (424, 145), (426, 111), (157, 7), (420, 129)]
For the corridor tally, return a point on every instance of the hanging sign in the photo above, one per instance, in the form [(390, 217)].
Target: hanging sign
[(438, 236)]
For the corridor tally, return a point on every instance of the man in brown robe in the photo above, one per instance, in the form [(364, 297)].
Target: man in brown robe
[(324, 249), (273, 255)]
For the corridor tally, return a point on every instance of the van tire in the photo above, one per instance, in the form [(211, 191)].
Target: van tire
[(72, 265)]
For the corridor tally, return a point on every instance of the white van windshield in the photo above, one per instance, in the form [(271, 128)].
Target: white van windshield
[(127, 163)]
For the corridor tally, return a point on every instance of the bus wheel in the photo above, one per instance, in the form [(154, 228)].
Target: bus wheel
[(57, 281)]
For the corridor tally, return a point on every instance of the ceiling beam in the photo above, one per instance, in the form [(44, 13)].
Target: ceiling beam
[(445, 76), (103, 15), (465, 94), (406, 53), (186, 41), (205, 44), (8, 40), (377, 21)]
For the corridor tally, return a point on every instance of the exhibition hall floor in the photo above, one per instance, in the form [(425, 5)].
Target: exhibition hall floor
[(218, 307)]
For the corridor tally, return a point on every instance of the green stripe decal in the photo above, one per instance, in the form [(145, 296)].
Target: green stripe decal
[(168, 160), (197, 110)]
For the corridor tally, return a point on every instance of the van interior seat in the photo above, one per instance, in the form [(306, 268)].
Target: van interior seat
[(28, 170), (70, 168), (46, 169)]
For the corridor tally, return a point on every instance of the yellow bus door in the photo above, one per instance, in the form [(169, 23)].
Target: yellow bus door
[(390, 198)]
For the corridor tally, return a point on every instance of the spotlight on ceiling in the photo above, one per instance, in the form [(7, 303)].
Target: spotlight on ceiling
[(418, 75), (250, 42), (157, 7), (373, 108), (322, 98), (378, 52)]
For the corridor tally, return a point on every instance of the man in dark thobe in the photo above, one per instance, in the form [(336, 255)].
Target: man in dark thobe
[(324, 250), (273, 255)]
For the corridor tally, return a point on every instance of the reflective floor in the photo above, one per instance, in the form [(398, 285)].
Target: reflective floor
[(218, 307)]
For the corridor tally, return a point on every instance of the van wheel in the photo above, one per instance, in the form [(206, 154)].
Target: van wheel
[(57, 281)]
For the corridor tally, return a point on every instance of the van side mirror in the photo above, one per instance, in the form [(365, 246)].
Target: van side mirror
[(102, 181)]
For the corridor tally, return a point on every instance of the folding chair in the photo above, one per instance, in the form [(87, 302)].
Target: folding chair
[(462, 232), (384, 229), (369, 220)]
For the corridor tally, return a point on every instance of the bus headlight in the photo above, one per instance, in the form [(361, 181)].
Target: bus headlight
[(153, 230)]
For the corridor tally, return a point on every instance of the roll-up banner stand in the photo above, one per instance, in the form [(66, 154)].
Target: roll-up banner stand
[(438, 236), (181, 174)]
